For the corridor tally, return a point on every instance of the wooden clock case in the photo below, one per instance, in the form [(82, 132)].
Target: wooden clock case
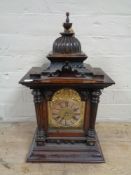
[(66, 70)]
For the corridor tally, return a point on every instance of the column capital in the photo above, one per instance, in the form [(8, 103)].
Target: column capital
[(95, 94), (38, 97)]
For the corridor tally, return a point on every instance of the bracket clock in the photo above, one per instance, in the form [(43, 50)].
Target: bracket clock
[(66, 95)]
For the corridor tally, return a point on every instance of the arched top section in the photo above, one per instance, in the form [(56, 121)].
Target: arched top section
[(65, 94)]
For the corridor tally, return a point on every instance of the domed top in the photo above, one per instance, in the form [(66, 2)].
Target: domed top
[(67, 47), (67, 43)]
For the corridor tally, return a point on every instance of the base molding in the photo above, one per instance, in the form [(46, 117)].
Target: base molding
[(65, 152)]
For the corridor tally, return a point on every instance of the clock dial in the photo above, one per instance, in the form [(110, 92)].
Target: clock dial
[(65, 113), (66, 110)]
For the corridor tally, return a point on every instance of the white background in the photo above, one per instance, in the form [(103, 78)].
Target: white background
[(27, 31)]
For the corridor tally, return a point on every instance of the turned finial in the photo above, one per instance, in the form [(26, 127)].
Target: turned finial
[(67, 25), (67, 17)]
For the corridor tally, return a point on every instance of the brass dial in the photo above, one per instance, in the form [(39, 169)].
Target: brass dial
[(66, 110), (66, 113)]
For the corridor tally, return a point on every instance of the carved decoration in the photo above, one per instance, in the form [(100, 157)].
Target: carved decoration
[(95, 96), (84, 95), (65, 141), (91, 133), (41, 137), (48, 94), (67, 68), (37, 96), (91, 137)]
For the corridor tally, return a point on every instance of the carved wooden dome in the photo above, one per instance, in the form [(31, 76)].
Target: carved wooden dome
[(67, 43), (67, 47)]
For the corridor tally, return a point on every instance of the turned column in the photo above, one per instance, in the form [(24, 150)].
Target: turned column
[(40, 109), (94, 100)]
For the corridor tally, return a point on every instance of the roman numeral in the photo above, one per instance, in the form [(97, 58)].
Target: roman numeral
[(75, 118), (57, 117), (75, 109)]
